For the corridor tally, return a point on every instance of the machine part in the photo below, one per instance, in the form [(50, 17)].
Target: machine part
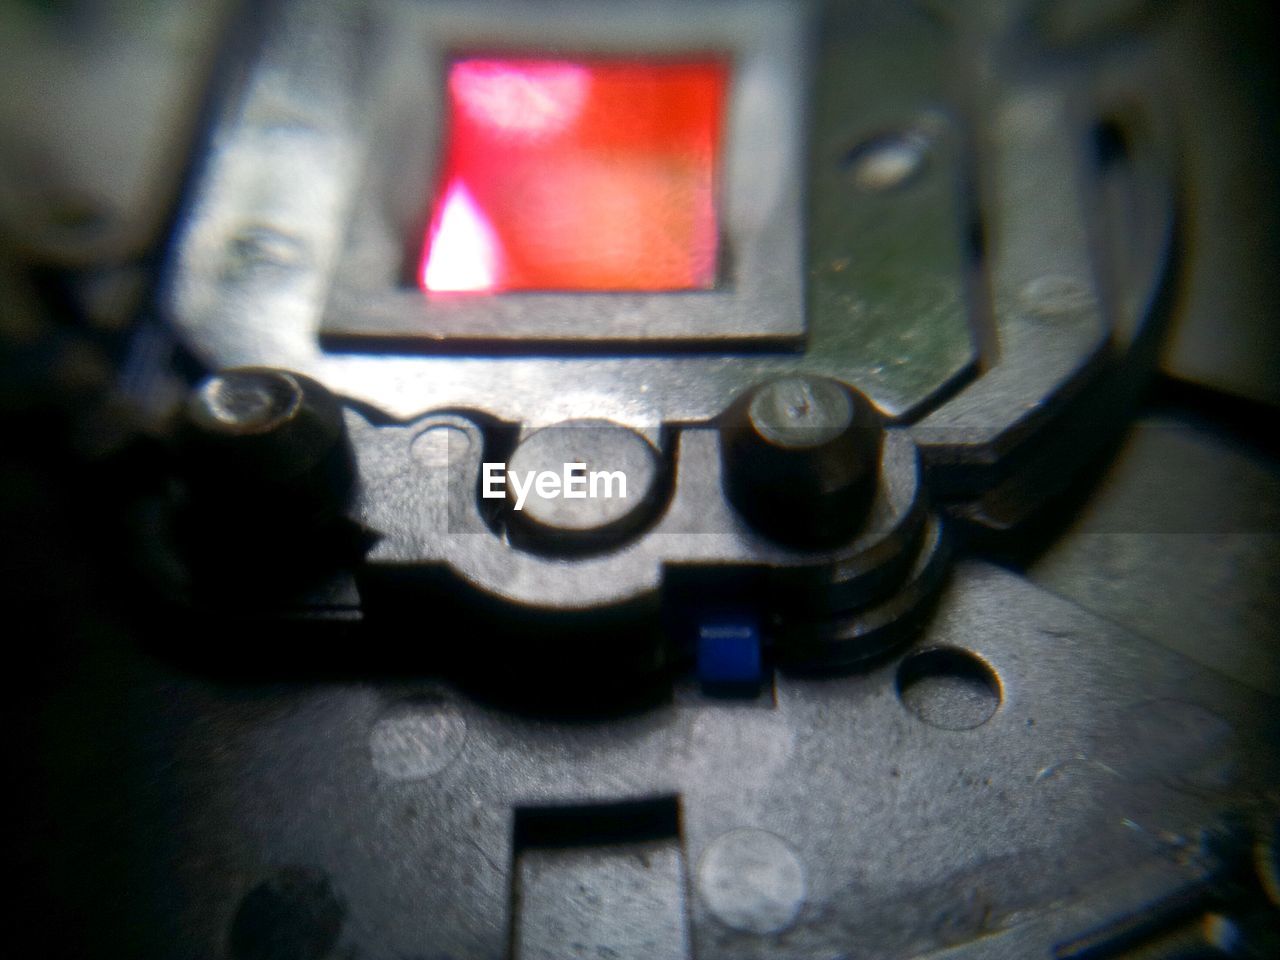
[(1034, 779), (801, 457), (1000, 353), (729, 656), (400, 124), (1080, 205), (267, 441), (419, 501), (864, 808), (854, 637), (313, 170), (1053, 336)]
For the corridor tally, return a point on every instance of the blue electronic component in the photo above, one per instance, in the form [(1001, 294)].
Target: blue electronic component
[(728, 652)]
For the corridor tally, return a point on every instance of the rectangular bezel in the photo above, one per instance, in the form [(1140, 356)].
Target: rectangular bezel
[(373, 303)]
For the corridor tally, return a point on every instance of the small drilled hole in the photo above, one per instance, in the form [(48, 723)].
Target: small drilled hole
[(948, 688)]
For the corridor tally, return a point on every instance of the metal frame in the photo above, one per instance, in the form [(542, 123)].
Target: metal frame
[(260, 254), (759, 293)]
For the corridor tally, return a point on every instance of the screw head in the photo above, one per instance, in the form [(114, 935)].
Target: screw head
[(800, 457), (800, 413), (246, 401), (265, 440)]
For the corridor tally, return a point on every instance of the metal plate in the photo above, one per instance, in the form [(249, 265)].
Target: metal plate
[(759, 298), (267, 226)]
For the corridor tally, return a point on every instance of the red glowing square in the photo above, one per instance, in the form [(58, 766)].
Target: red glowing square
[(577, 175)]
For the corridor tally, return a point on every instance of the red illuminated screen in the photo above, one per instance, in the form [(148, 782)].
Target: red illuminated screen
[(562, 175)]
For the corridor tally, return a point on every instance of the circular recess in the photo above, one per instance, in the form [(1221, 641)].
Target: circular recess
[(752, 881), (417, 738), (949, 688), (441, 444), (294, 915), (888, 162), (581, 483)]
